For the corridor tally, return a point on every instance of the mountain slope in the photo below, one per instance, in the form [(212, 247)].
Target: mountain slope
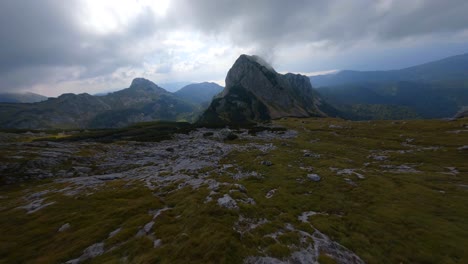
[(199, 93), (142, 101), (256, 92), (21, 97), (65, 111), (432, 90), (451, 68)]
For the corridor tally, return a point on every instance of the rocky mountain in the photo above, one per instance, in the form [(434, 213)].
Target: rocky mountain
[(27, 97), (256, 92), (432, 90), (199, 93), (142, 101)]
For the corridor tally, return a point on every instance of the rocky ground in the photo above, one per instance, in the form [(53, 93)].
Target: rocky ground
[(316, 191)]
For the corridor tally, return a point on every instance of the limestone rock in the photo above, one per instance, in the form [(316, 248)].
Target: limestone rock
[(227, 202), (256, 92), (90, 252), (64, 227), (314, 177)]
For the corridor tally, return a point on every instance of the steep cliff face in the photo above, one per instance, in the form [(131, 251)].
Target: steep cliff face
[(256, 92)]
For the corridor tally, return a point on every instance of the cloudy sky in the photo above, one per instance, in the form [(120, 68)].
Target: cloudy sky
[(56, 46)]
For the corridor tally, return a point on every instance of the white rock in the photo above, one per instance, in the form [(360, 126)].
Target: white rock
[(115, 232), (90, 252), (314, 177), (64, 227), (270, 193), (157, 243), (227, 202)]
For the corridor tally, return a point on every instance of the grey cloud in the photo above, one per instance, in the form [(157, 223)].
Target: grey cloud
[(275, 23), (40, 36), (42, 39), (427, 18)]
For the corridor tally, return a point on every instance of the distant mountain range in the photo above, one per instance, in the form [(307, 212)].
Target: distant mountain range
[(433, 90), (174, 86), (21, 97), (199, 93), (142, 101)]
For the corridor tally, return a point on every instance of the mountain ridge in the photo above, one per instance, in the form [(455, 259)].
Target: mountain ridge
[(450, 68), (142, 101), (432, 90), (26, 97)]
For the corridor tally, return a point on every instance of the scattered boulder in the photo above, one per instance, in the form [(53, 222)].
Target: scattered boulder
[(308, 169), (341, 172), (350, 182), (64, 227), (377, 157), (157, 243), (314, 177), (227, 202), (310, 154), (270, 193), (266, 163), (89, 253)]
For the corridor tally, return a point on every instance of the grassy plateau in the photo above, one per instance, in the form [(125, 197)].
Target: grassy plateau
[(390, 191)]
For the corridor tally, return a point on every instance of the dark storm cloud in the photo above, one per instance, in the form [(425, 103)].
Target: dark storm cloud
[(271, 23), (43, 39), (427, 17)]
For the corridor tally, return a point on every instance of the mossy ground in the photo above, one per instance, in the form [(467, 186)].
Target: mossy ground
[(387, 217)]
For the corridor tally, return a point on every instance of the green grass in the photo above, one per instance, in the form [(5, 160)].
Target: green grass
[(144, 132), (387, 218)]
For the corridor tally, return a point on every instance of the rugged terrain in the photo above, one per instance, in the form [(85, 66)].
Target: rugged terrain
[(143, 101), (294, 191), (256, 92)]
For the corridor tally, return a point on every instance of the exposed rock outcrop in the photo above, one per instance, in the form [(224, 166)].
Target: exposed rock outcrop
[(462, 113), (256, 92)]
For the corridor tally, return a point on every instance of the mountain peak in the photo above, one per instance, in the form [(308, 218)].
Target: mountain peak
[(142, 83), (256, 92), (255, 59)]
